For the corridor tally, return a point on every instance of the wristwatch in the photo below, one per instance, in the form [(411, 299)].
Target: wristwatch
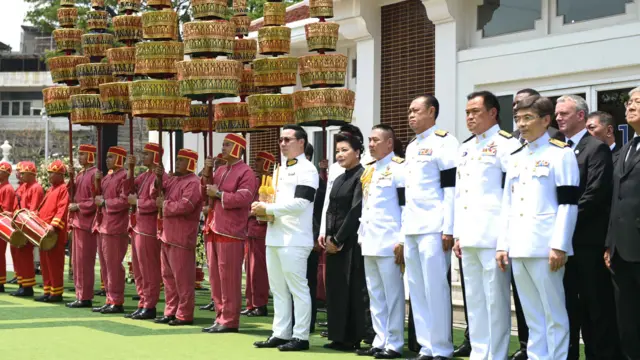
[(219, 194)]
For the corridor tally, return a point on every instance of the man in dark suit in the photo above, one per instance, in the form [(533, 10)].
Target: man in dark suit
[(623, 248), (587, 283), (601, 125)]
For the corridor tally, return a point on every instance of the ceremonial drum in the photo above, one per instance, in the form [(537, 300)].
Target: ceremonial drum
[(34, 228), (9, 234)]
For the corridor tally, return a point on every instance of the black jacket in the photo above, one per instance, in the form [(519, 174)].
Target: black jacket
[(345, 208), (318, 204)]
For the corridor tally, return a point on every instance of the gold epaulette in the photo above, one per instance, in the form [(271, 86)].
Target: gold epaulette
[(558, 143), (441, 133), (505, 134), (397, 159)]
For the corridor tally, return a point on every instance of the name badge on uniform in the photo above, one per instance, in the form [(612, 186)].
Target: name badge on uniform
[(542, 163), (291, 173), (490, 150), (425, 152), (385, 180)]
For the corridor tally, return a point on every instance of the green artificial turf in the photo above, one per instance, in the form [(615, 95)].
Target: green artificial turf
[(30, 330)]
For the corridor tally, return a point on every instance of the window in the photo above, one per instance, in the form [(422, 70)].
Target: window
[(26, 108), (612, 101), (15, 108), (506, 112), (38, 112), (499, 17), (21, 95), (21, 108), (582, 10), (5, 108)]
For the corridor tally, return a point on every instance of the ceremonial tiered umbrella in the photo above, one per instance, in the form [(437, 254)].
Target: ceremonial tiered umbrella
[(158, 98), (197, 122), (57, 99), (325, 104)]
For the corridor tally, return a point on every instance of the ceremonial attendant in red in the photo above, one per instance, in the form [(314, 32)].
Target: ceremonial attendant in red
[(82, 212), (180, 205), (54, 211), (255, 262), (8, 204), (145, 249), (29, 197), (112, 226), (17, 278), (233, 191)]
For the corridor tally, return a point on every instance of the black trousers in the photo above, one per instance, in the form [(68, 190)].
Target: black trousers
[(590, 304), (523, 329), (626, 284)]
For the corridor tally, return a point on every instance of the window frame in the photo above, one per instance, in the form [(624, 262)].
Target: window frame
[(557, 25)]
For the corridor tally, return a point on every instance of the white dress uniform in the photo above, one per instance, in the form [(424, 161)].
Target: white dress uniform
[(380, 231), (539, 213), (428, 214), (289, 242), (482, 164)]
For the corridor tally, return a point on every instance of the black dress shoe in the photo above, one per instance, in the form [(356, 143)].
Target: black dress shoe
[(100, 293), (23, 292), (339, 346), (165, 319), (387, 354), (272, 342), (13, 281), (53, 299), (463, 350), (99, 308), (113, 309), (259, 311), (178, 322), (246, 311), (210, 306), (41, 298), (78, 304), (209, 328), (324, 334), (369, 352), (423, 357), (221, 329), (135, 298), (519, 355), (323, 324), (145, 314), (295, 345), (132, 314)]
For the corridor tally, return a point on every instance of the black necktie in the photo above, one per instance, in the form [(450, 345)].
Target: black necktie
[(633, 150), (570, 142)]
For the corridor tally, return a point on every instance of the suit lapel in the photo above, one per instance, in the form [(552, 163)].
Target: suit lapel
[(625, 169), (581, 145)]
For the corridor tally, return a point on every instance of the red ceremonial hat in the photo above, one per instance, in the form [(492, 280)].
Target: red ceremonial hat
[(19, 166), (91, 152), (238, 142), (6, 167), (268, 158), (57, 166), (120, 154), (190, 155), (28, 167), (156, 150)]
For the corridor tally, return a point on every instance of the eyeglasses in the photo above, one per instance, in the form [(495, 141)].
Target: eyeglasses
[(630, 102), (525, 118), (286, 140)]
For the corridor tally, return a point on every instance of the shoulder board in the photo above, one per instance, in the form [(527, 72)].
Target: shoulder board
[(469, 139), (412, 140), (371, 162), (518, 150), (505, 134), (558, 143), (397, 159), (441, 133)]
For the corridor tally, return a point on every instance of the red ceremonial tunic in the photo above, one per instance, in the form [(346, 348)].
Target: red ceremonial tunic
[(147, 211), (84, 197), (114, 219), (181, 210), (8, 200), (257, 229), (54, 209), (31, 196)]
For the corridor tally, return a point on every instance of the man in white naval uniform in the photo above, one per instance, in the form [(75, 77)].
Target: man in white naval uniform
[(289, 242), (427, 224), (379, 234), (539, 213), (482, 164)]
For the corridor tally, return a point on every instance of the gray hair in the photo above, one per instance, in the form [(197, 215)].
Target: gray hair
[(634, 90), (581, 104)]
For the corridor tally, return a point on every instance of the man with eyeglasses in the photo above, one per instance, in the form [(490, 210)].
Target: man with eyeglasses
[(539, 212), (290, 241), (553, 132)]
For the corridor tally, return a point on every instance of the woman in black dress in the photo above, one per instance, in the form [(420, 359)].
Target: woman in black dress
[(345, 278)]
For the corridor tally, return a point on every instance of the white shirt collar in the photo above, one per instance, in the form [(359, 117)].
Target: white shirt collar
[(577, 137), (385, 160), (612, 146), (426, 133), (488, 134), (542, 140)]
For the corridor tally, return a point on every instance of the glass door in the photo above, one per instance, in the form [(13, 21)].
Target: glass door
[(611, 98)]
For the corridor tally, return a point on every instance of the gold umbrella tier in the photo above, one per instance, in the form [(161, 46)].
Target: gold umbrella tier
[(274, 40), (129, 5), (67, 17), (96, 45), (208, 38), (85, 110), (322, 36), (275, 72), (160, 25), (245, 50), (67, 3), (158, 58), (67, 39), (198, 120), (270, 110), (168, 124), (114, 98), (328, 106), (323, 70), (63, 68), (57, 99), (158, 98), (92, 75), (122, 61), (241, 25), (274, 13), (127, 28), (321, 9), (240, 7), (247, 83), (232, 118), (159, 4), (204, 78), (209, 9), (97, 20), (97, 4)]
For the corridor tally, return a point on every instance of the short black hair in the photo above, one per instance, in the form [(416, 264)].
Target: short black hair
[(385, 128), (605, 118), (354, 141), (541, 105), (528, 91), (430, 100), (308, 151), (300, 133), (489, 99)]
